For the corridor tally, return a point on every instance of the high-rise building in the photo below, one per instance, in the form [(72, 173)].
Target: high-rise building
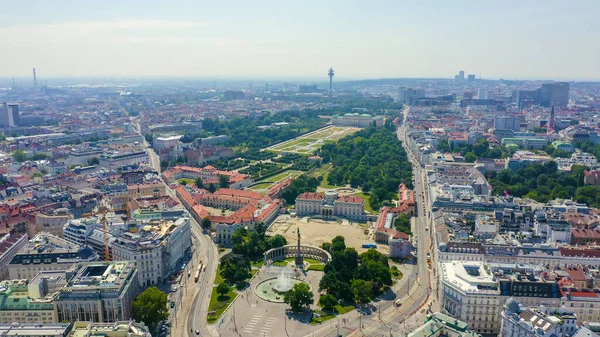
[(9, 115), (13, 114), (554, 94), (471, 78), (409, 96), (507, 123), (481, 93), (525, 98)]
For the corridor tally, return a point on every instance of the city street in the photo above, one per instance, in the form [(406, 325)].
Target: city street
[(381, 319), (191, 300)]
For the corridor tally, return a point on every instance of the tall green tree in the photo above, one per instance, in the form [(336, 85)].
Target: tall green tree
[(328, 302), (150, 307), (19, 156), (199, 183), (223, 288), (206, 223), (362, 291), (299, 297), (223, 181)]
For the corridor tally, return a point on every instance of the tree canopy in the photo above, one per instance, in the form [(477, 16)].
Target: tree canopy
[(299, 297), (254, 243), (372, 159), (222, 288), (150, 307), (402, 224), (347, 267), (235, 268), (298, 186), (543, 182), (19, 156)]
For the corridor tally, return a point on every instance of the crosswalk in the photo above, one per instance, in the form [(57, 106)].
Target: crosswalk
[(255, 324)]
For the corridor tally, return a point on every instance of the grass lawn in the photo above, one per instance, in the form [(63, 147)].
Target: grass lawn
[(324, 317), (187, 180), (316, 267), (342, 309), (282, 175), (309, 260), (260, 186), (324, 183), (218, 278), (321, 170), (258, 263), (367, 203), (327, 315), (280, 263), (219, 303)]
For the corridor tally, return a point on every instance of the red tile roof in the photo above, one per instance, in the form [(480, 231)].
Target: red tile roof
[(351, 199), (311, 196)]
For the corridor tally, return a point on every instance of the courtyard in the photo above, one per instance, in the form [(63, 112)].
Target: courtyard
[(316, 231)]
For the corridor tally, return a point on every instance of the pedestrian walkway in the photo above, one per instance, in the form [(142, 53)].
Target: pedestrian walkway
[(256, 326), (252, 324)]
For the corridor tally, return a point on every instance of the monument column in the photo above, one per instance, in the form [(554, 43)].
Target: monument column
[(299, 259)]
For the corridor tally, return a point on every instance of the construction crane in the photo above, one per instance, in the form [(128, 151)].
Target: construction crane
[(104, 205)]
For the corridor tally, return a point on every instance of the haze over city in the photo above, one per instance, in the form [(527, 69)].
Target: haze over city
[(271, 39), (300, 169)]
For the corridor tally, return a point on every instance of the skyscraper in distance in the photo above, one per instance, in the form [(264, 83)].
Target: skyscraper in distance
[(554, 94)]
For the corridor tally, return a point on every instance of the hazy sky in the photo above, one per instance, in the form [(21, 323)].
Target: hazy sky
[(286, 39)]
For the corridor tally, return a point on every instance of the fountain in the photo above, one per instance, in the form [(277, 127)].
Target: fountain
[(273, 289), (284, 282)]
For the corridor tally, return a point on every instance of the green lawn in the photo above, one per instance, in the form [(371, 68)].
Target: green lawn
[(187, 180), (316, 267), (283, 175), (321, 170), (258, 263), (219, 303), (309, 260), (327, 315), (324, 183), (218, 278), (280, 263), (260, 186), (342, 309), (324, 317), (367, 204)]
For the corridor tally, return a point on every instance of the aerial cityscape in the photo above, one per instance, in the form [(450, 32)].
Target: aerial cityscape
[(294, 197)]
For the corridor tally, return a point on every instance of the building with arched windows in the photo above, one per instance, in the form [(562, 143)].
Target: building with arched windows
[(329, 204)]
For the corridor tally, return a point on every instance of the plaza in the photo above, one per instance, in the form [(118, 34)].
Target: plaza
[(315, 231)]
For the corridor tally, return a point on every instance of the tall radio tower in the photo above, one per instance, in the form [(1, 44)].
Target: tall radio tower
[(330, 73)]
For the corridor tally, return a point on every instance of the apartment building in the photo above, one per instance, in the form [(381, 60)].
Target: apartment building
[(469, 292), (51, 221), (116, 329), (520, 321), (98, 292), (156, 249), (47, 252), (10, 245)]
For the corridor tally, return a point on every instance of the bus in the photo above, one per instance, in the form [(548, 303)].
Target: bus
[(197, 276), (369, 245)]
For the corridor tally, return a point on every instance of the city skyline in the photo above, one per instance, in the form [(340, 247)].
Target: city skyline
[(265, 40)]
